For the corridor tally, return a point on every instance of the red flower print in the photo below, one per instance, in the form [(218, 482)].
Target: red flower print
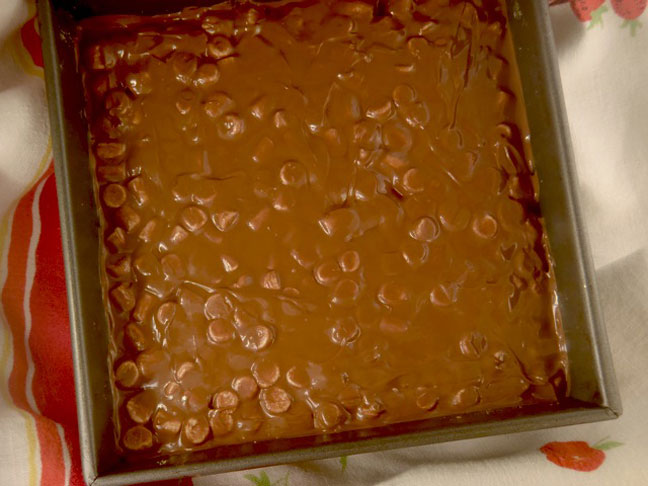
[(630, 10), (584, 8), (577, 455)]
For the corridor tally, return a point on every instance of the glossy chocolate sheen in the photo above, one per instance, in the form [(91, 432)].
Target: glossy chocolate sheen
[(317, 216)]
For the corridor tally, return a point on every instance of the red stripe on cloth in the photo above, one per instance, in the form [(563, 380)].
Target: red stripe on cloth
[(49, 342), (13, 294), (31, 40)]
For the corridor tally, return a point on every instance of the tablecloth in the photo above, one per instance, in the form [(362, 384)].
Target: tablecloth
[(603, 54)]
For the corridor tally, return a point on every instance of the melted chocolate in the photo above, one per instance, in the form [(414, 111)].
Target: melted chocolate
[(317, 216)]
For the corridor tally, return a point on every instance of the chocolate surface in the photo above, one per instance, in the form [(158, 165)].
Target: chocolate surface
[(317, 216)]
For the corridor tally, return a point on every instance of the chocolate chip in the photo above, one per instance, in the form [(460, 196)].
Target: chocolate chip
[(220, 331), (111, 173), (207, 75), (230, 126), (165, 313), (101, 56), (427, 400), (443, 295), (110, 151), (485, 226), (217, 104), (275, 400), (124, 297), (127, 374), (193, 218), (147, 232), (139, 83), (414, 253), (345, 293), (271, 280), (172, 266), (141, 407), (219, 47), (166, 425), (298, 377), (391, 294), (136, 337), (114, 195), (195, 429), (417, 115), (117, 239), (396, 137), (425, 229), (195, 400), (349, 261), (128, 218), (143, 306), (381, 112), (292, 173), (220, 422), (245, 386), (230, 264), (257, 338), (137, 187), (343, 223), (225, 220), (225, 400), (369, 408), (266, 372), (465, 398), (473, 344), (344, 332), (184, 66), (138, 438), (327, 273), (151, 362), (413, 181), (120, 268), (259, 220), (393, 325), (403, 95), (328, 416), (217, 306)]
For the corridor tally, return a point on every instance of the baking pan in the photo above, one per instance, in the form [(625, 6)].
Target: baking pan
[(593, 395)]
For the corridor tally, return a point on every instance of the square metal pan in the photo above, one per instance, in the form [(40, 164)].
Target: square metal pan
[(593, 395)]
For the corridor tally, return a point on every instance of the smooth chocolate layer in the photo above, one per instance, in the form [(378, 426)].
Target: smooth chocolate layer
[(317, 216)]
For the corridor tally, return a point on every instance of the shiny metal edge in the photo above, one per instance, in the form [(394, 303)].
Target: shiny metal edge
[(52, 68), (561, 132)]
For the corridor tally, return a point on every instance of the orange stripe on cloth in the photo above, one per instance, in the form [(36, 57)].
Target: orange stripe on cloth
[(33, 448), (49, 342), (25, 233), (13, 294)]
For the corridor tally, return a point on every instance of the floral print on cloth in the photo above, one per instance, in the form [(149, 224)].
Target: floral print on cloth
[(592, 11)]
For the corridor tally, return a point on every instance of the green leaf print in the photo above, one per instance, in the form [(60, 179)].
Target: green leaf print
[(261, 480), (343, 463), (604, 446), (264, 480), (633, 25), (597, 17)]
